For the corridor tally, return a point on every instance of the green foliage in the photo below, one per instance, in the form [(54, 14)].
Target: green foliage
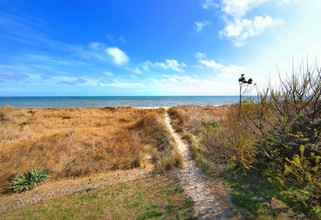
[(154, 197), (289, 146), (151, 212), (255, 197), (302, 173), (230, 141), (28, 180), (279, 136)]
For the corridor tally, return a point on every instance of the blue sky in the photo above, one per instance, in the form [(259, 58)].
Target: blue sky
[(152, 47)]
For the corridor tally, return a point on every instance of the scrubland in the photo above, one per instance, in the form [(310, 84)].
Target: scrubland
[(76, 142), (268, 152)]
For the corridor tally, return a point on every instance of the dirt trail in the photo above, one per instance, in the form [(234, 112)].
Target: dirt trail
[(65, 187), (211, 199)]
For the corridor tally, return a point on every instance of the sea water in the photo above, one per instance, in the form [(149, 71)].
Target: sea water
[(104, 101)]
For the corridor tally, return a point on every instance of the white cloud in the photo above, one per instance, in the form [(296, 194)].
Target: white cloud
[(223, 72), (239, 8), (184, 80), (200, 55), (194, 85), (201, 24), (137, 70), (96, 46), (169, 64), (126, 84), (146, 65), (238, 27), (209, 4), (214, 78), (211, 64), (119, 57), (240, 30), (284, 2)]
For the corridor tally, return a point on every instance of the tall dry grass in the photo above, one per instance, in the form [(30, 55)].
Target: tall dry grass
[(198, 124), (192, 117), (74, 142)]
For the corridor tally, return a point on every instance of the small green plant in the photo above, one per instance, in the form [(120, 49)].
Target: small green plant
[(29, 179)]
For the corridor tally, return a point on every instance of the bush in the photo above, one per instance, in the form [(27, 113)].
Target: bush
[(289, 151), (28, 180), (230, 141)]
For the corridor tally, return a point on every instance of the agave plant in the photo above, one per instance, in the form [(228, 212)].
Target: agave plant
[(29, 179)]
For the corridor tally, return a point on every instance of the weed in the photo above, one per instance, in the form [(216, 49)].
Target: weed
[(28, 180), (170, 208), (150, 212)]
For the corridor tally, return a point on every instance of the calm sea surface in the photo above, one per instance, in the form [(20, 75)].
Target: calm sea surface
[(102, 101)]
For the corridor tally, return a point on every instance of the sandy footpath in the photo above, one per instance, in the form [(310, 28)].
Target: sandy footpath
[(211, 199)]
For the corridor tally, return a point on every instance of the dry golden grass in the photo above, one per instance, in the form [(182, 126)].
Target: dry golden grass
[(192, 117), (195, 123), (75, 142)]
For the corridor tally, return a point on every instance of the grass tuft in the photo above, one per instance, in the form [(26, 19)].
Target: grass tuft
[(29, 179)]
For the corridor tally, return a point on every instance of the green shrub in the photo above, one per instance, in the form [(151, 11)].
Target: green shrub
[(230, 141), (303, 174), (28, 180), (289, 151)]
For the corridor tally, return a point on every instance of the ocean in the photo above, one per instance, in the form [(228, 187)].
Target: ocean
[(103, 101)]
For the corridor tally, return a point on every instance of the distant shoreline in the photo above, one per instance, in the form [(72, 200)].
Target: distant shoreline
[(116, 101), (168, 107)]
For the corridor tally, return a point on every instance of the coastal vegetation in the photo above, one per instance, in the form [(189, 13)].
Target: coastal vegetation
[(29, 179), (269, 153), (77, 142), (154, 197)]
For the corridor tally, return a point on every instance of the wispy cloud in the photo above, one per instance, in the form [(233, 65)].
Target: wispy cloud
[(212, 64), (13, 77), (200, 55), (209, 4), (284, 2), (225, 71), (73, 82), (137, 70), (109, 74), (115, 39), (192, 85), (24, 28), (171, 64), (168, 64), (47, 59), (96, 46), (238, 9), (119, 57), (201, 24)]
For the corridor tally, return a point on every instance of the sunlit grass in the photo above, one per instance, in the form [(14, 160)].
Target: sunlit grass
[(141, 199), (76, 142)]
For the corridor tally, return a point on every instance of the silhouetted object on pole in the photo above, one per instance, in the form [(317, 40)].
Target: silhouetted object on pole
[(243, 83)]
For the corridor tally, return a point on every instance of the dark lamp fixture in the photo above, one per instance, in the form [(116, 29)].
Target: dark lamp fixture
[(242, 78)]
